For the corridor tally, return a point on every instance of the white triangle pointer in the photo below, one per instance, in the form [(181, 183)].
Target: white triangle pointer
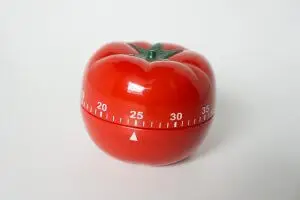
[(133, 137)]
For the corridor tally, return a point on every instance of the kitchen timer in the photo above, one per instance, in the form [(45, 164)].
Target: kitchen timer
[(147, 103)]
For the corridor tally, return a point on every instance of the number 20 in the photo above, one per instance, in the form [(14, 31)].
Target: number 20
[(102, 106)]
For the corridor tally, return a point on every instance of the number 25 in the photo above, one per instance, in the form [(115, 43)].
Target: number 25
[(136, 115)]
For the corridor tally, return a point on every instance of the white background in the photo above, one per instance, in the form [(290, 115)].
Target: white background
[(252, 151)]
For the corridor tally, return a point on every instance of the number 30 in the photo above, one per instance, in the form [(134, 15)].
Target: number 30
[(175, 116)]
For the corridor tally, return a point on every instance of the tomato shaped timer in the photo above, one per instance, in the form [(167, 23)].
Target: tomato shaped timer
[(147, 103)]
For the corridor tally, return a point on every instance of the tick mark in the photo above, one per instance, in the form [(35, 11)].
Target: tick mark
[(143, 123), (87, 106), (181, 123), (113, 118), (151, 124), (204, 117), (167, 124), (128, 121), (195, 121), (91, 109), (106, 116), (159, 125), (101, 114), (188, 122), (135, 122), (120, 119), (199, 119), (95, 111), (175, 124)]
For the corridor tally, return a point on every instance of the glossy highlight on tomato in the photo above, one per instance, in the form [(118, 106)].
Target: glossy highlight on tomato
[(147, 103)]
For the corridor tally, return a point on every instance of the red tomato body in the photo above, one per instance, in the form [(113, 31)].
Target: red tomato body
[(150, 104)]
